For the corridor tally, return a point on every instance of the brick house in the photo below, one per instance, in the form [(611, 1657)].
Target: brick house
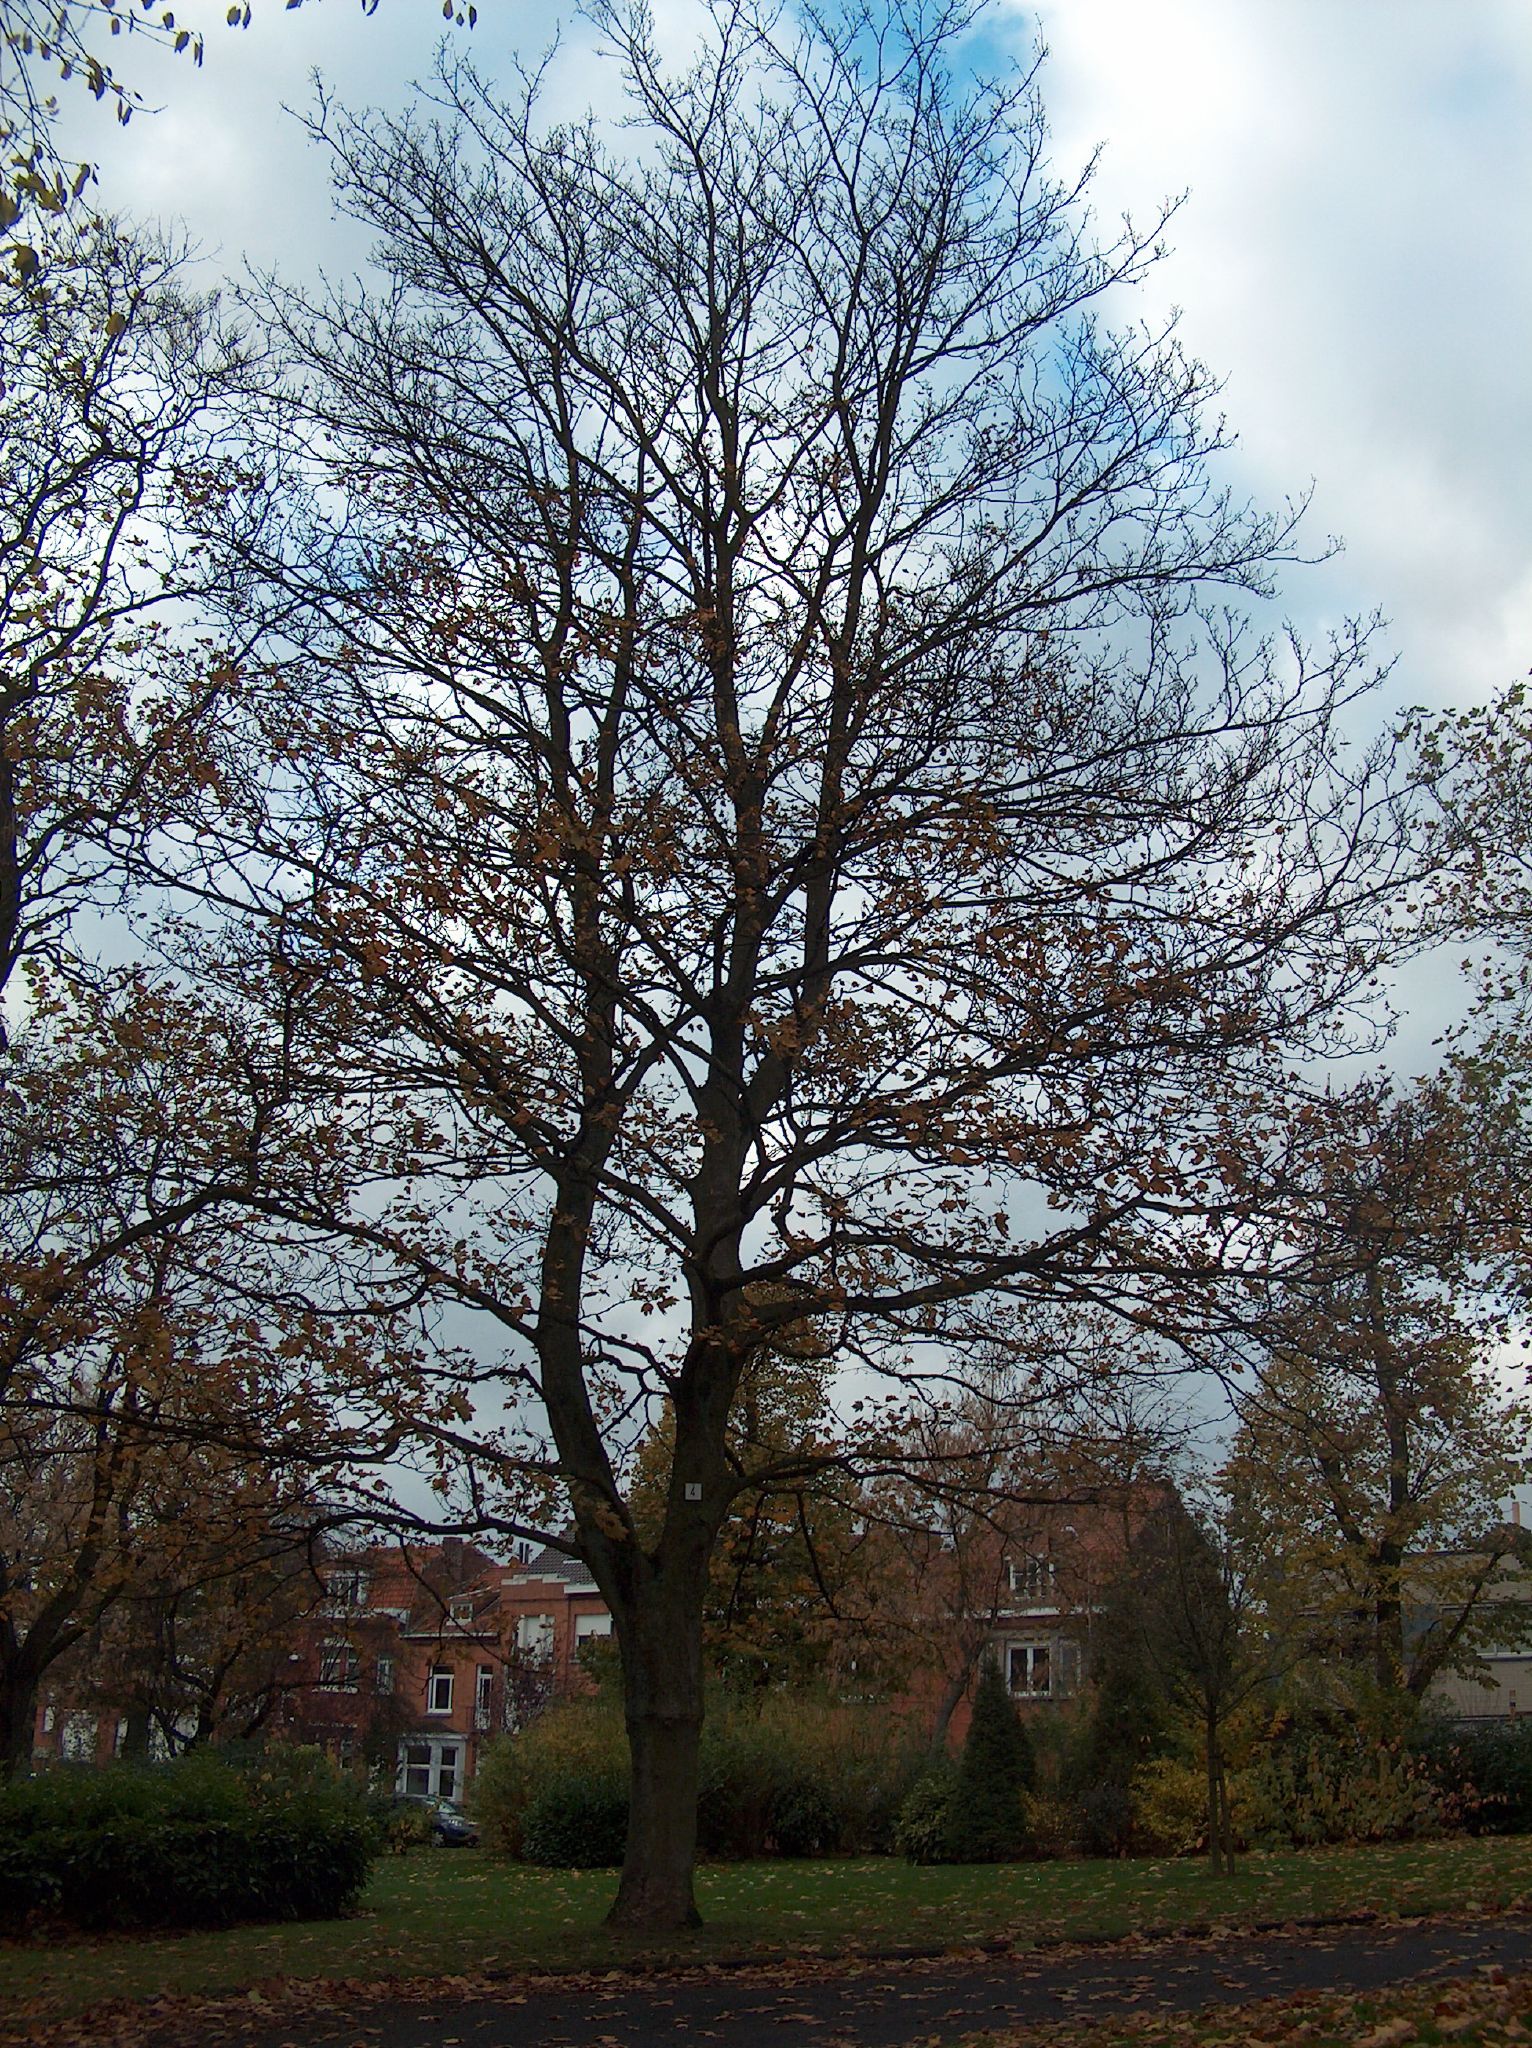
[(1033, 1593), (419, 1656), (401, 1664)]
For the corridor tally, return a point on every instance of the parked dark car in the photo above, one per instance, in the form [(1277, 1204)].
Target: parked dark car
[(449, 1824)]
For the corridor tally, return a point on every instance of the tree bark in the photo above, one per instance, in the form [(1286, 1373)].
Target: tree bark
[(18, 1719), (663, 1705)]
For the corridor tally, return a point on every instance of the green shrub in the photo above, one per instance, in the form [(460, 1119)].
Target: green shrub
[(1315, 1786), (1104, 1818), (779, 1775), (194, 1843), (802, 1820), (986, 1822), (576, 1741), (1483, 1774), (922, 1834), (576, 1823)]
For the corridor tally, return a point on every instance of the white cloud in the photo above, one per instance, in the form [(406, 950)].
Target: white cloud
[(1350, 259)]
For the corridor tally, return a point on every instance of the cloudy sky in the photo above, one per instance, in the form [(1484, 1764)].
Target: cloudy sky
[(1353, 257)]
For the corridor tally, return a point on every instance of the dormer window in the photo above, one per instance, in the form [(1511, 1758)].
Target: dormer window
[(346, 1588), (461, 1609), (1032, 1579)]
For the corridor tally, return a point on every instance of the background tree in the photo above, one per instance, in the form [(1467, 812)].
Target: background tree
[(1378, 1436), (145, 1318), (198, 1652), (113, 380), (770, 784), (790, 1565), (970, 1494), (1199, 1627)]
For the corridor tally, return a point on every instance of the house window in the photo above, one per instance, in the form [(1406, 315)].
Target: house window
[(346, 1589), (339, 1668), (1032, 1579), (429, 1768), (439, 1690), (483, 1687), (1042, 1671), (462, 1608), (534, 1638), (1029, 1670), (590, 1625), (77, 1741), (383, 1677)]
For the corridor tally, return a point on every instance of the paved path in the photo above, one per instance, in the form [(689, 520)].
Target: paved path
[(886, 2005)]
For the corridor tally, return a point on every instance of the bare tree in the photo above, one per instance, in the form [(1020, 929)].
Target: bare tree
[(775, 807)]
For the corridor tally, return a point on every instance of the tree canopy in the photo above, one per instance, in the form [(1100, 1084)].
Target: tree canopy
[(764, 792)]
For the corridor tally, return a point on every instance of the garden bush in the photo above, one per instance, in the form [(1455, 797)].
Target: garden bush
[(578, 1742), (1317, 1785), (574, 1823), (922, 1833), (1482, 1774), (194, 1843), (780, 1775)]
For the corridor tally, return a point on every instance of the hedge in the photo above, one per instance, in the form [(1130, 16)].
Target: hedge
[(194, 1843)]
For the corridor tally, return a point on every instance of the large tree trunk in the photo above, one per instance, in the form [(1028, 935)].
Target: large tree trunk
[(18, 1720), (661, 1643)]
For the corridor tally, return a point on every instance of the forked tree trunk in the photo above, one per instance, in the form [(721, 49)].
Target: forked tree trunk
[(661, 1643)]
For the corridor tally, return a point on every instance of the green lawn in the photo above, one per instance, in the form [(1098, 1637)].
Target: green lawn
[(448, 1913)]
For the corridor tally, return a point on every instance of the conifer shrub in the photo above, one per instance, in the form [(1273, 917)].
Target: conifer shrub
[(1127, 1728), (986, 1820), (192, 1843)]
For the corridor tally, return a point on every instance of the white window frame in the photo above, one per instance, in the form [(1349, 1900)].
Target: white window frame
[(346, 1588), (1055, 1660), (591, 1628), (439, 1689), (430, 1766), (383, 1674), (483, 1694), (340, 1668)]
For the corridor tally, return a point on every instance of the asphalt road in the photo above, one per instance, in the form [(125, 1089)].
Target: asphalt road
[(885, 2005)]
